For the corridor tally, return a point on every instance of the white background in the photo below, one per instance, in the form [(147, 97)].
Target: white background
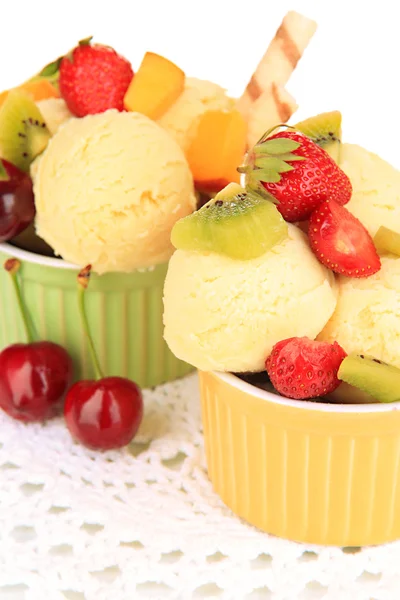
[(352, 63)]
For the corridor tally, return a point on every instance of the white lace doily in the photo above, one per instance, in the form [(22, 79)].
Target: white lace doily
[(144, 523)]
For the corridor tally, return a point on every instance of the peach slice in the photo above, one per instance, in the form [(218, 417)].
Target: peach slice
[(155, 87), (39, 89), (217, 149)]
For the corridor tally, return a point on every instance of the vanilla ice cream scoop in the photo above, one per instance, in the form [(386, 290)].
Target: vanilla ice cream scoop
[(225, 314), (367, 316), (55, 113), (198, 96), (376, 188), (108, 190)]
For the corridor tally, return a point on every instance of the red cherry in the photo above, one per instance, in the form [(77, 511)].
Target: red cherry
[(33, 379), (104, 414), (17, 206)]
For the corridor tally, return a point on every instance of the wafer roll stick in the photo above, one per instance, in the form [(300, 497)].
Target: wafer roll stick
[(280, 59), (274, 106)]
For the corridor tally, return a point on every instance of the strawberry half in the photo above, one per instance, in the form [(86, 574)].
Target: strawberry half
[(295, 173), (93, 79), (341, 242), (301, 368)]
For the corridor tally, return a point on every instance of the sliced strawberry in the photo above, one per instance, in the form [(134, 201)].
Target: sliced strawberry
[(341, 242), (301, 368)]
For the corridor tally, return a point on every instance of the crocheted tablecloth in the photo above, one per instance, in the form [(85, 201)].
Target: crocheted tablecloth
[(144, 522)]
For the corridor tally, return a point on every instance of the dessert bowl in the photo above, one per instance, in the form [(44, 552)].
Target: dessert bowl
[(124, 314), (308, 471)]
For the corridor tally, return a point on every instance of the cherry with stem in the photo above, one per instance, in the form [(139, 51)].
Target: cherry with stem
[(34, 376), (103, 413)]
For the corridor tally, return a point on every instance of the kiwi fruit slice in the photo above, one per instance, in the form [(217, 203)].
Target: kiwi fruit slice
[(235, 223), (387, 240), (23, 132), (325, 130), (376, 378)]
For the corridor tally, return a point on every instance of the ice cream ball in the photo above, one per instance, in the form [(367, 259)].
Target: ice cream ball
[(367, 316), (375, 199), (55, 113), (226, 314), (108, 190)]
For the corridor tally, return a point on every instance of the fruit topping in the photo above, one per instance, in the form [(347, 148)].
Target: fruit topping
[(49, 73), (104, 413), (301, 368), (93, 79), (236, 223), (372, 376), (341, 242), (387, 240), (40, 89), (33, 376), (325, 130), (17, 206), (155, 87), (295, 173), (23, 132), (217, 149)]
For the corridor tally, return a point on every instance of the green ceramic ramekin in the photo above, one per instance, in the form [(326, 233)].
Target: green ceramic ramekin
[(124, 313)]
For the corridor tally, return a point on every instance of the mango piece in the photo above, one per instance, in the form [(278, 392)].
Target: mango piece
[(40, 89), (217, 149), (155, 87)]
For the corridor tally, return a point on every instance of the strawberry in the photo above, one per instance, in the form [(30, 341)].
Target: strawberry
[(295, 173), (94, 79), (301, 368), (341, 242)]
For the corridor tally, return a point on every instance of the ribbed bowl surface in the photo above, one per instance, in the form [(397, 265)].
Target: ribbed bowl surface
[(316, 473), (124, 313)]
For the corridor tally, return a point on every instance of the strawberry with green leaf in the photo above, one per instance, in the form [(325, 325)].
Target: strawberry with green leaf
[(295, 173), (93, 78)]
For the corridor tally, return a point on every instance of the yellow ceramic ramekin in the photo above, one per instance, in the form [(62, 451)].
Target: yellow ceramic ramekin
[(311, 472)]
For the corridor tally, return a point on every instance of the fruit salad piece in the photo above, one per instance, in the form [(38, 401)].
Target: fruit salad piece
[(217, 149), (325, 130), (23, 132), (94, 78), (40, 89), (341, 242), (376, 378), (33, 376), (235, 223), (295, 173), (155, 87), (106, 412), (387, 240), (301, 368)]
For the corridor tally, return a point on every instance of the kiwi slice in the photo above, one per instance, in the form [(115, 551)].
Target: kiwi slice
[(325, 130), (387, 240), (236, 223), (376, 378), (23, 132)]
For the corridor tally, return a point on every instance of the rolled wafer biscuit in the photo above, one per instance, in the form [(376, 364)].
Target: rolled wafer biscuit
[(274, 106), (280, 59)]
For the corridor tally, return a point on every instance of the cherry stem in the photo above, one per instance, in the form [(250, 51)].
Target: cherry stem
[(12, 266), (83, 282)]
